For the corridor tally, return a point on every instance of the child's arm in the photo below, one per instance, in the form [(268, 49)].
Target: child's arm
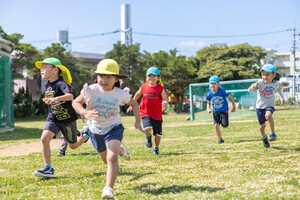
[(164, 99), (253, 87), (136, 97), (208, 107), (136, 111), (88, 114), (281, 95), (65, 97), (233, 103)]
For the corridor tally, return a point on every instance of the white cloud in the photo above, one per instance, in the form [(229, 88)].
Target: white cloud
[(192, 44)]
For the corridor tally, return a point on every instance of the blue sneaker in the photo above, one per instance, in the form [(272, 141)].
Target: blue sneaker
[(149, 141), (45, 172), (265, 141), (272, 137), (156, 151)]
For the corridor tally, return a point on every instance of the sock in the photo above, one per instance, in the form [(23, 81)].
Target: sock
[(121, 152), (49, 166), (272, 132), (264, 137)]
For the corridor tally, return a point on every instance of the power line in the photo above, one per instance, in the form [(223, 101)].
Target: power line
[(208, 36)]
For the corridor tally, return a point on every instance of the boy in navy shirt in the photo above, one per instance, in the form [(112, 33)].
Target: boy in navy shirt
[(217, 98)]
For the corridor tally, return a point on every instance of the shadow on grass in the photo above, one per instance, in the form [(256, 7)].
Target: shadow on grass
[(187, 153), (84, 154), (286, 149), (21, 134), (150, 189), (248, 141), (136, 176)]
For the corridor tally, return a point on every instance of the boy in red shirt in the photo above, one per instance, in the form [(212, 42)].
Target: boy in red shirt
[(153, 100)]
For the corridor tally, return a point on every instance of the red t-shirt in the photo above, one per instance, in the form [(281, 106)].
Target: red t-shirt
[(151, 101)]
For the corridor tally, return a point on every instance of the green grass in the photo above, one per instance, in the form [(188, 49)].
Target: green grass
[(192, 165)]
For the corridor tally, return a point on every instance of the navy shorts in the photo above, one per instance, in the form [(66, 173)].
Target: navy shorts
[(99, 141), (156, 125), (69, 131), (221, 118), (260, 113)]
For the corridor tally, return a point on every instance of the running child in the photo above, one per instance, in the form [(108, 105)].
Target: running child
[(153, 101), (217, 98), (103, 101), (265, 102), (61, 117)]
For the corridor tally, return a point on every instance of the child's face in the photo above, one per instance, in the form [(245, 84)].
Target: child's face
[(214, 87), (267, 77), (48, 71), (107, 81), (152, 79)]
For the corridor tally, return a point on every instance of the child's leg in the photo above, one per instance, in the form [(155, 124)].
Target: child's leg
[(64, 143), (157, 140), (46, 137), (218, 131), (113, 151), (148, 132), (80, 141), (262, 128), (270, 119)]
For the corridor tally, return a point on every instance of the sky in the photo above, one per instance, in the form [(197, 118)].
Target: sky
[(157, 25)]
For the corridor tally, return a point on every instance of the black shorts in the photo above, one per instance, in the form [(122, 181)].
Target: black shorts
[(221, 118), (156, 125), (260, 113), (68, 130)]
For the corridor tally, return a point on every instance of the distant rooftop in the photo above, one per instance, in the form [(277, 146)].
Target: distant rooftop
[(88, 57)]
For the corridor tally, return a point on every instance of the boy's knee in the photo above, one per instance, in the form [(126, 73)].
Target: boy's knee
[(217, 125)]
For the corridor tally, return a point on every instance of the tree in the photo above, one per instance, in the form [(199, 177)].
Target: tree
[(229, 63), (23, 55)]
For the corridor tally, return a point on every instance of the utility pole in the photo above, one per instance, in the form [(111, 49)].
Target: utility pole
[(294, 62)]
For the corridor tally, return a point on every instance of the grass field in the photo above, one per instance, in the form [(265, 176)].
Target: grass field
[(191, 164)]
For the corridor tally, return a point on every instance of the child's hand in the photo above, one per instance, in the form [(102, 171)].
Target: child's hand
[(138, 126), (91, 114), (282, 102), (49, 100), (129, 110), (209, 111), (165, 104), (255, 85), (233, 109)]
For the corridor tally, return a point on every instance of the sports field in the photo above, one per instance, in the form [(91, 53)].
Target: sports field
[(191, 165)]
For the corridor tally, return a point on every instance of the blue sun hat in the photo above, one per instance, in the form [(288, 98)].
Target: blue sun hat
[(214, 79), (268, 68), (153, 70)]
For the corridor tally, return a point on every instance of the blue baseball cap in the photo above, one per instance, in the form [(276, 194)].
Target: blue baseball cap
[(268, 68), (153, 70), (214, 79)]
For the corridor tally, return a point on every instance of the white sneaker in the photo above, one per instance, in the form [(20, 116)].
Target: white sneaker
[(108, 193), (126, 154)]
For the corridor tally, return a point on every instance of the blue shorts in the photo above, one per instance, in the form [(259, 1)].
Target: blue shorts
[(99, 141), (156, 125), (221, 118), (69, 130), (261, 114)]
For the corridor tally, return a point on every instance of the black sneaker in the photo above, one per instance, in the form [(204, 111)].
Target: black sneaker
[(272, 137), (149, 141), (61, 153), (265, 141), (156, 152), (86, 132), (45, 172), (220, 141)]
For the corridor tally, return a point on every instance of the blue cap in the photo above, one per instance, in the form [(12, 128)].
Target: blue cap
[(153, 70), (268, 68), (214, 79)]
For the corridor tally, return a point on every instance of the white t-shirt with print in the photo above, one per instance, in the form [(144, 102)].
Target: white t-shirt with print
[(107, 103)]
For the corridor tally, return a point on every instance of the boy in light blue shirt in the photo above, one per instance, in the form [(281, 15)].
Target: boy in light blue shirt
[(217, 98)]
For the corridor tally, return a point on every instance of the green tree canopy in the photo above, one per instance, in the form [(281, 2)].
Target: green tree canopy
[(229, 63)]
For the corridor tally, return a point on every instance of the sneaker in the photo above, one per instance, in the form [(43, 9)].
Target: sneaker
[(61, 153), (272, 137), (149, 141), (86, 132), (45, 172), (265, 141), (156, 151), (126, 154), (220, 141), (107, 193)]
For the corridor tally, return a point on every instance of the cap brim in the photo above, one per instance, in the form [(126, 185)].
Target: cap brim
[(110, 73)]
